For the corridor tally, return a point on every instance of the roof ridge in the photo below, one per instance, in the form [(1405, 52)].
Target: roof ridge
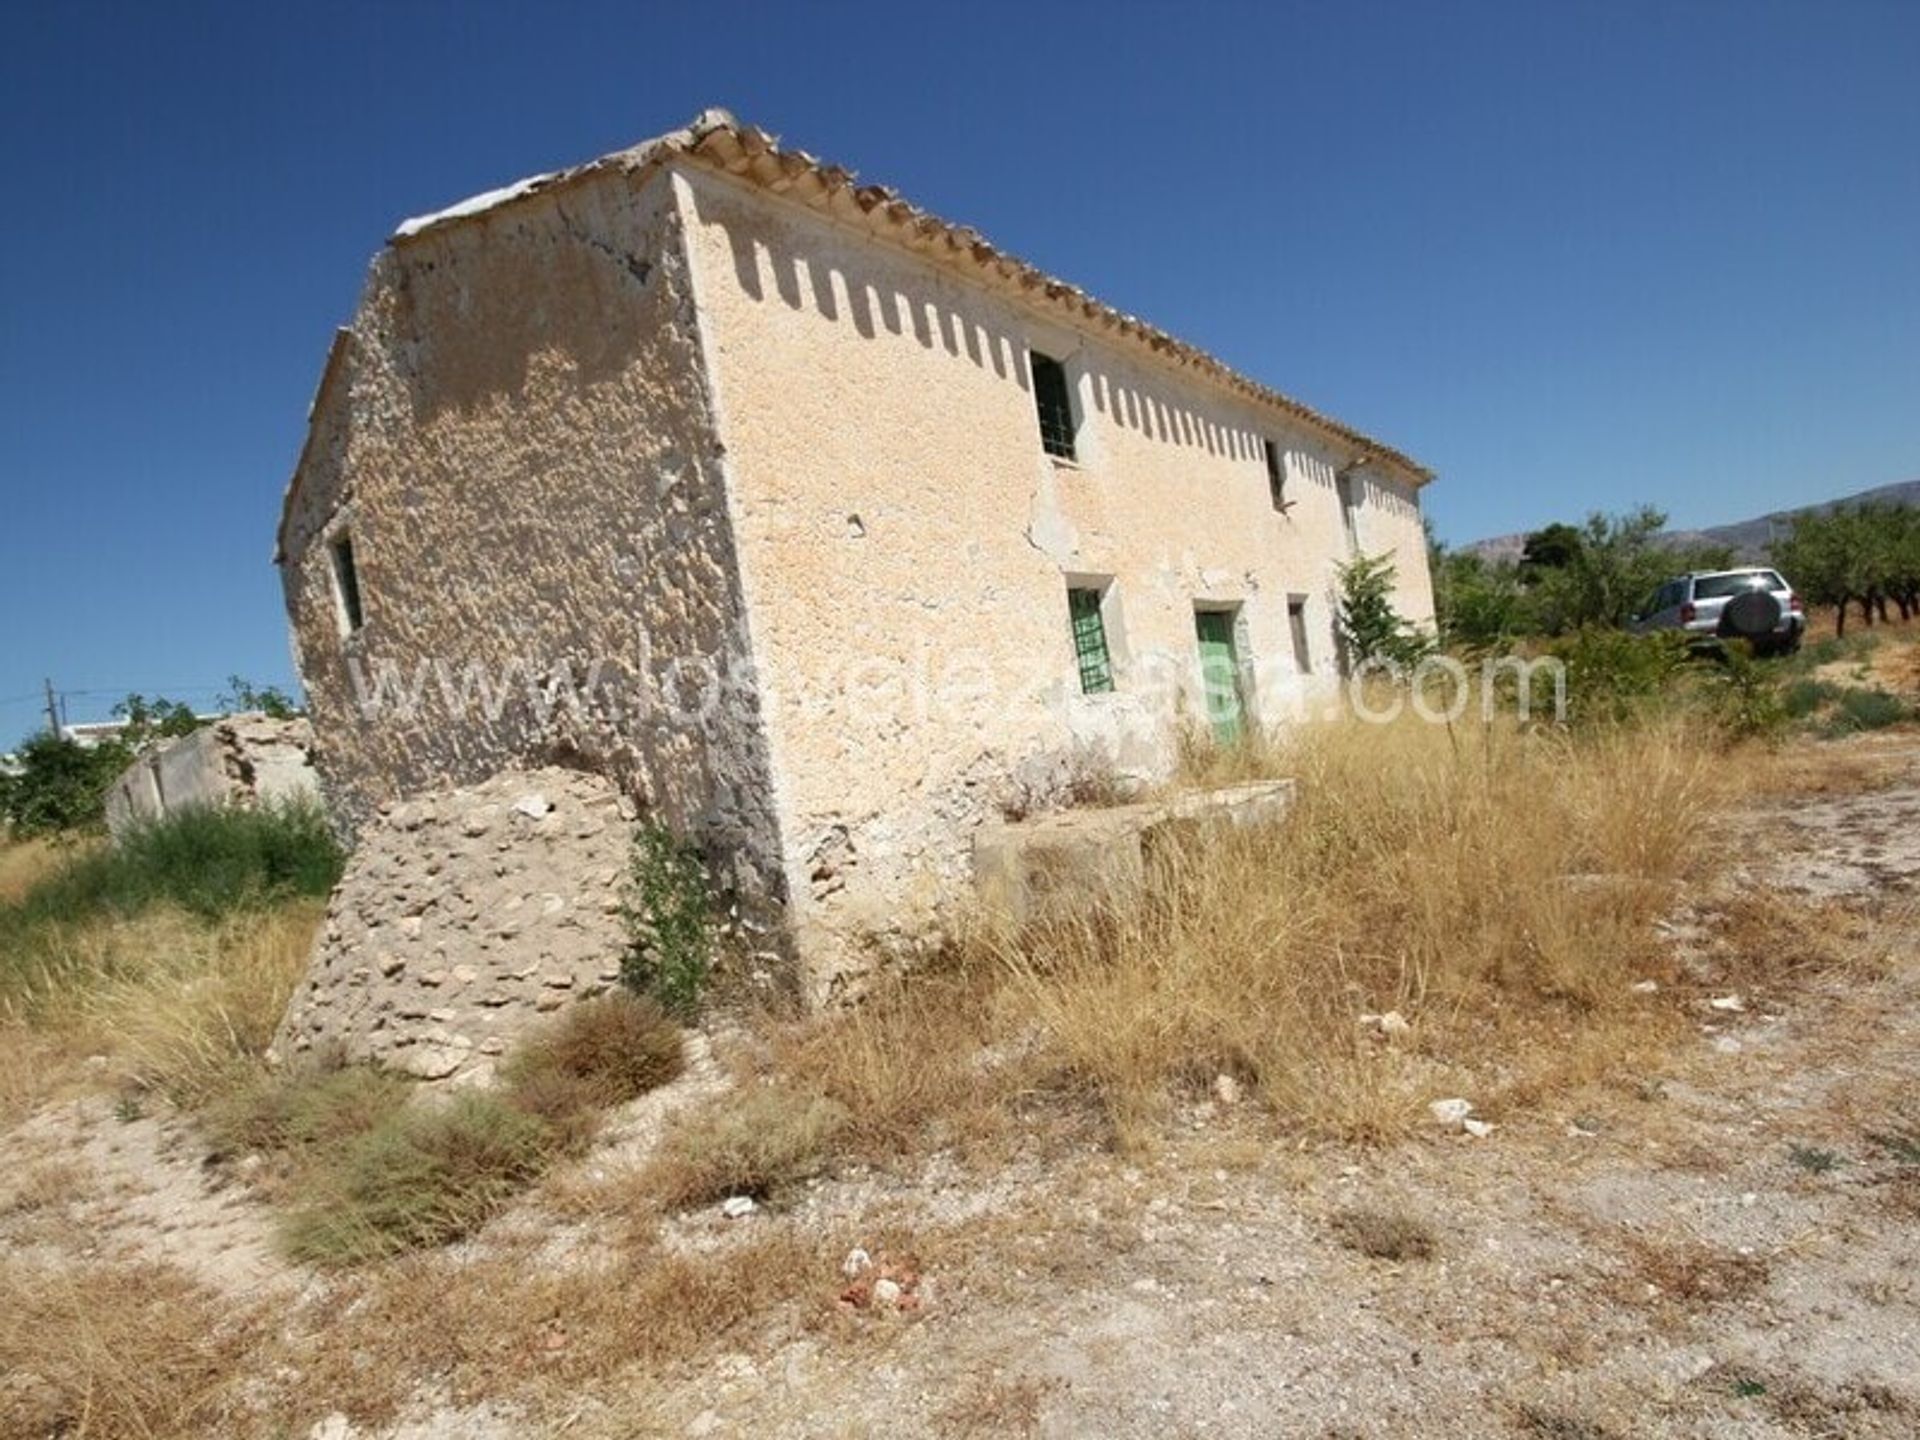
[(718, 139)]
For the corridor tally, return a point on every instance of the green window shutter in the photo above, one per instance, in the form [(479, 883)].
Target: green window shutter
[(1090, 642)]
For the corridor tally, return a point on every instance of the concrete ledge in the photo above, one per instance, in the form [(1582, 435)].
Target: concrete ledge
[(1025, 870)]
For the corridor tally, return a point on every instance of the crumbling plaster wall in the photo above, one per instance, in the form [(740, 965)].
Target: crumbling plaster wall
[(517, 438), (235, 760), (906, 546)]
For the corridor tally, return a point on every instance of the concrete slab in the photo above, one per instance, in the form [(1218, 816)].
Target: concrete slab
[(1028, 870)]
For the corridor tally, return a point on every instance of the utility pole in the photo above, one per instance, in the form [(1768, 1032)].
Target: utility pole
[(53, 711)]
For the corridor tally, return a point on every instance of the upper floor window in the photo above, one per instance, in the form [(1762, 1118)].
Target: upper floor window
[(1276, 475), (1053, 403), (346, 584), (1348, 486)]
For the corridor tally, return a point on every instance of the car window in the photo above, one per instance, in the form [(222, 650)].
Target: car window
[(1719, 587)]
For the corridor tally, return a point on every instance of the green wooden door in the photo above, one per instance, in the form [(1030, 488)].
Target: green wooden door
[(1219, 673)]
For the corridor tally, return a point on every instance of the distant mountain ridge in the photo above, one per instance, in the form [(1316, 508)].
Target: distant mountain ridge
[(1748, 539)]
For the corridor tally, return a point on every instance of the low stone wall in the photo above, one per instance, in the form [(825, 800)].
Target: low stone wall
[(1023, 870), (463, 918), (241, 759)]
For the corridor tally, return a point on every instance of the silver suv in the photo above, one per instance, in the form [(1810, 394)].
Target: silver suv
[(1755, 605)]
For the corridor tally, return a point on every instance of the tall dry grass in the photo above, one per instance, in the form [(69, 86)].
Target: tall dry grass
[(117, 1349), (25, 863), (1498, 888), (1497, 893), (192, 1016)]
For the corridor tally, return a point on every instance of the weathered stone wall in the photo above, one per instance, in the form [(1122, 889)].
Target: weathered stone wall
[(237, 760), (662, 415), (906, 546), (516, 437), (463, 918)]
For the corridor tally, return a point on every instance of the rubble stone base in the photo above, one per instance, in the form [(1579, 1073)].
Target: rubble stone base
[(464, 918)]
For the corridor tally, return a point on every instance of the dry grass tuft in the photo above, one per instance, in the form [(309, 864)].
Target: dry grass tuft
[(1386, 1234), (422, 1176), (34, 1067), (904, 1067), (503, 1328), (1500, 893), (116, 1350), (25, 863), (613, 1049), (999, 1407), (1692, 1274), (304, 1110), (755, 1143), (1498, 888)]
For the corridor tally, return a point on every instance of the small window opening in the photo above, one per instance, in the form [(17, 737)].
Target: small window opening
[(1053, 403), (1090, 641), (1350, 511), (1297, 623), (1276, 475), (346, 584)]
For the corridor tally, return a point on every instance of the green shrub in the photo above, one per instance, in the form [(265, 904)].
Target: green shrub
[(1859, 710), (208, 862), (1802, 698), (757, 1143), (1822, 652), (670, 922), (422, 1176), (1614, 676), (62, 785), (1750, 704)]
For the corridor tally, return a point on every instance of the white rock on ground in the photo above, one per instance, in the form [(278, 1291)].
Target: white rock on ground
[(1450, 1113)]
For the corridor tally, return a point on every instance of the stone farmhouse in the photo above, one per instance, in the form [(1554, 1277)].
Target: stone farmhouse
[(823, 528)]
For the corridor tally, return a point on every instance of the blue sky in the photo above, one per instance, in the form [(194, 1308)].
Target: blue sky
[(1573, 256)]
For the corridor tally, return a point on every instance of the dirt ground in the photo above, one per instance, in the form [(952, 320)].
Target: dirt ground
[(1721, 1246)]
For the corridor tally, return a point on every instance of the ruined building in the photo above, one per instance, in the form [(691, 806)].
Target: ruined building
[(819, 526)]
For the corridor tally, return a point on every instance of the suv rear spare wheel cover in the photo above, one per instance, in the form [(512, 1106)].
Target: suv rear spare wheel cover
[(1753, 614)]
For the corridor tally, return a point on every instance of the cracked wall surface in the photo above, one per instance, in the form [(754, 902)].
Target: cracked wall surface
[(516, 436), (907, 546)]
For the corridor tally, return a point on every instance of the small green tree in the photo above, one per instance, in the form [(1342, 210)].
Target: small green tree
[(1370, 628), (242, 694), (62, 784), (155, 719), (1553, 548), (1478, 603)]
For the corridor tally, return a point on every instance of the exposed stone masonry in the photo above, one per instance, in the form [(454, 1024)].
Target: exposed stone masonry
[(464, 917)]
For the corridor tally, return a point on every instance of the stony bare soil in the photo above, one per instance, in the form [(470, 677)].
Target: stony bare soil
[(1721, 1245)]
